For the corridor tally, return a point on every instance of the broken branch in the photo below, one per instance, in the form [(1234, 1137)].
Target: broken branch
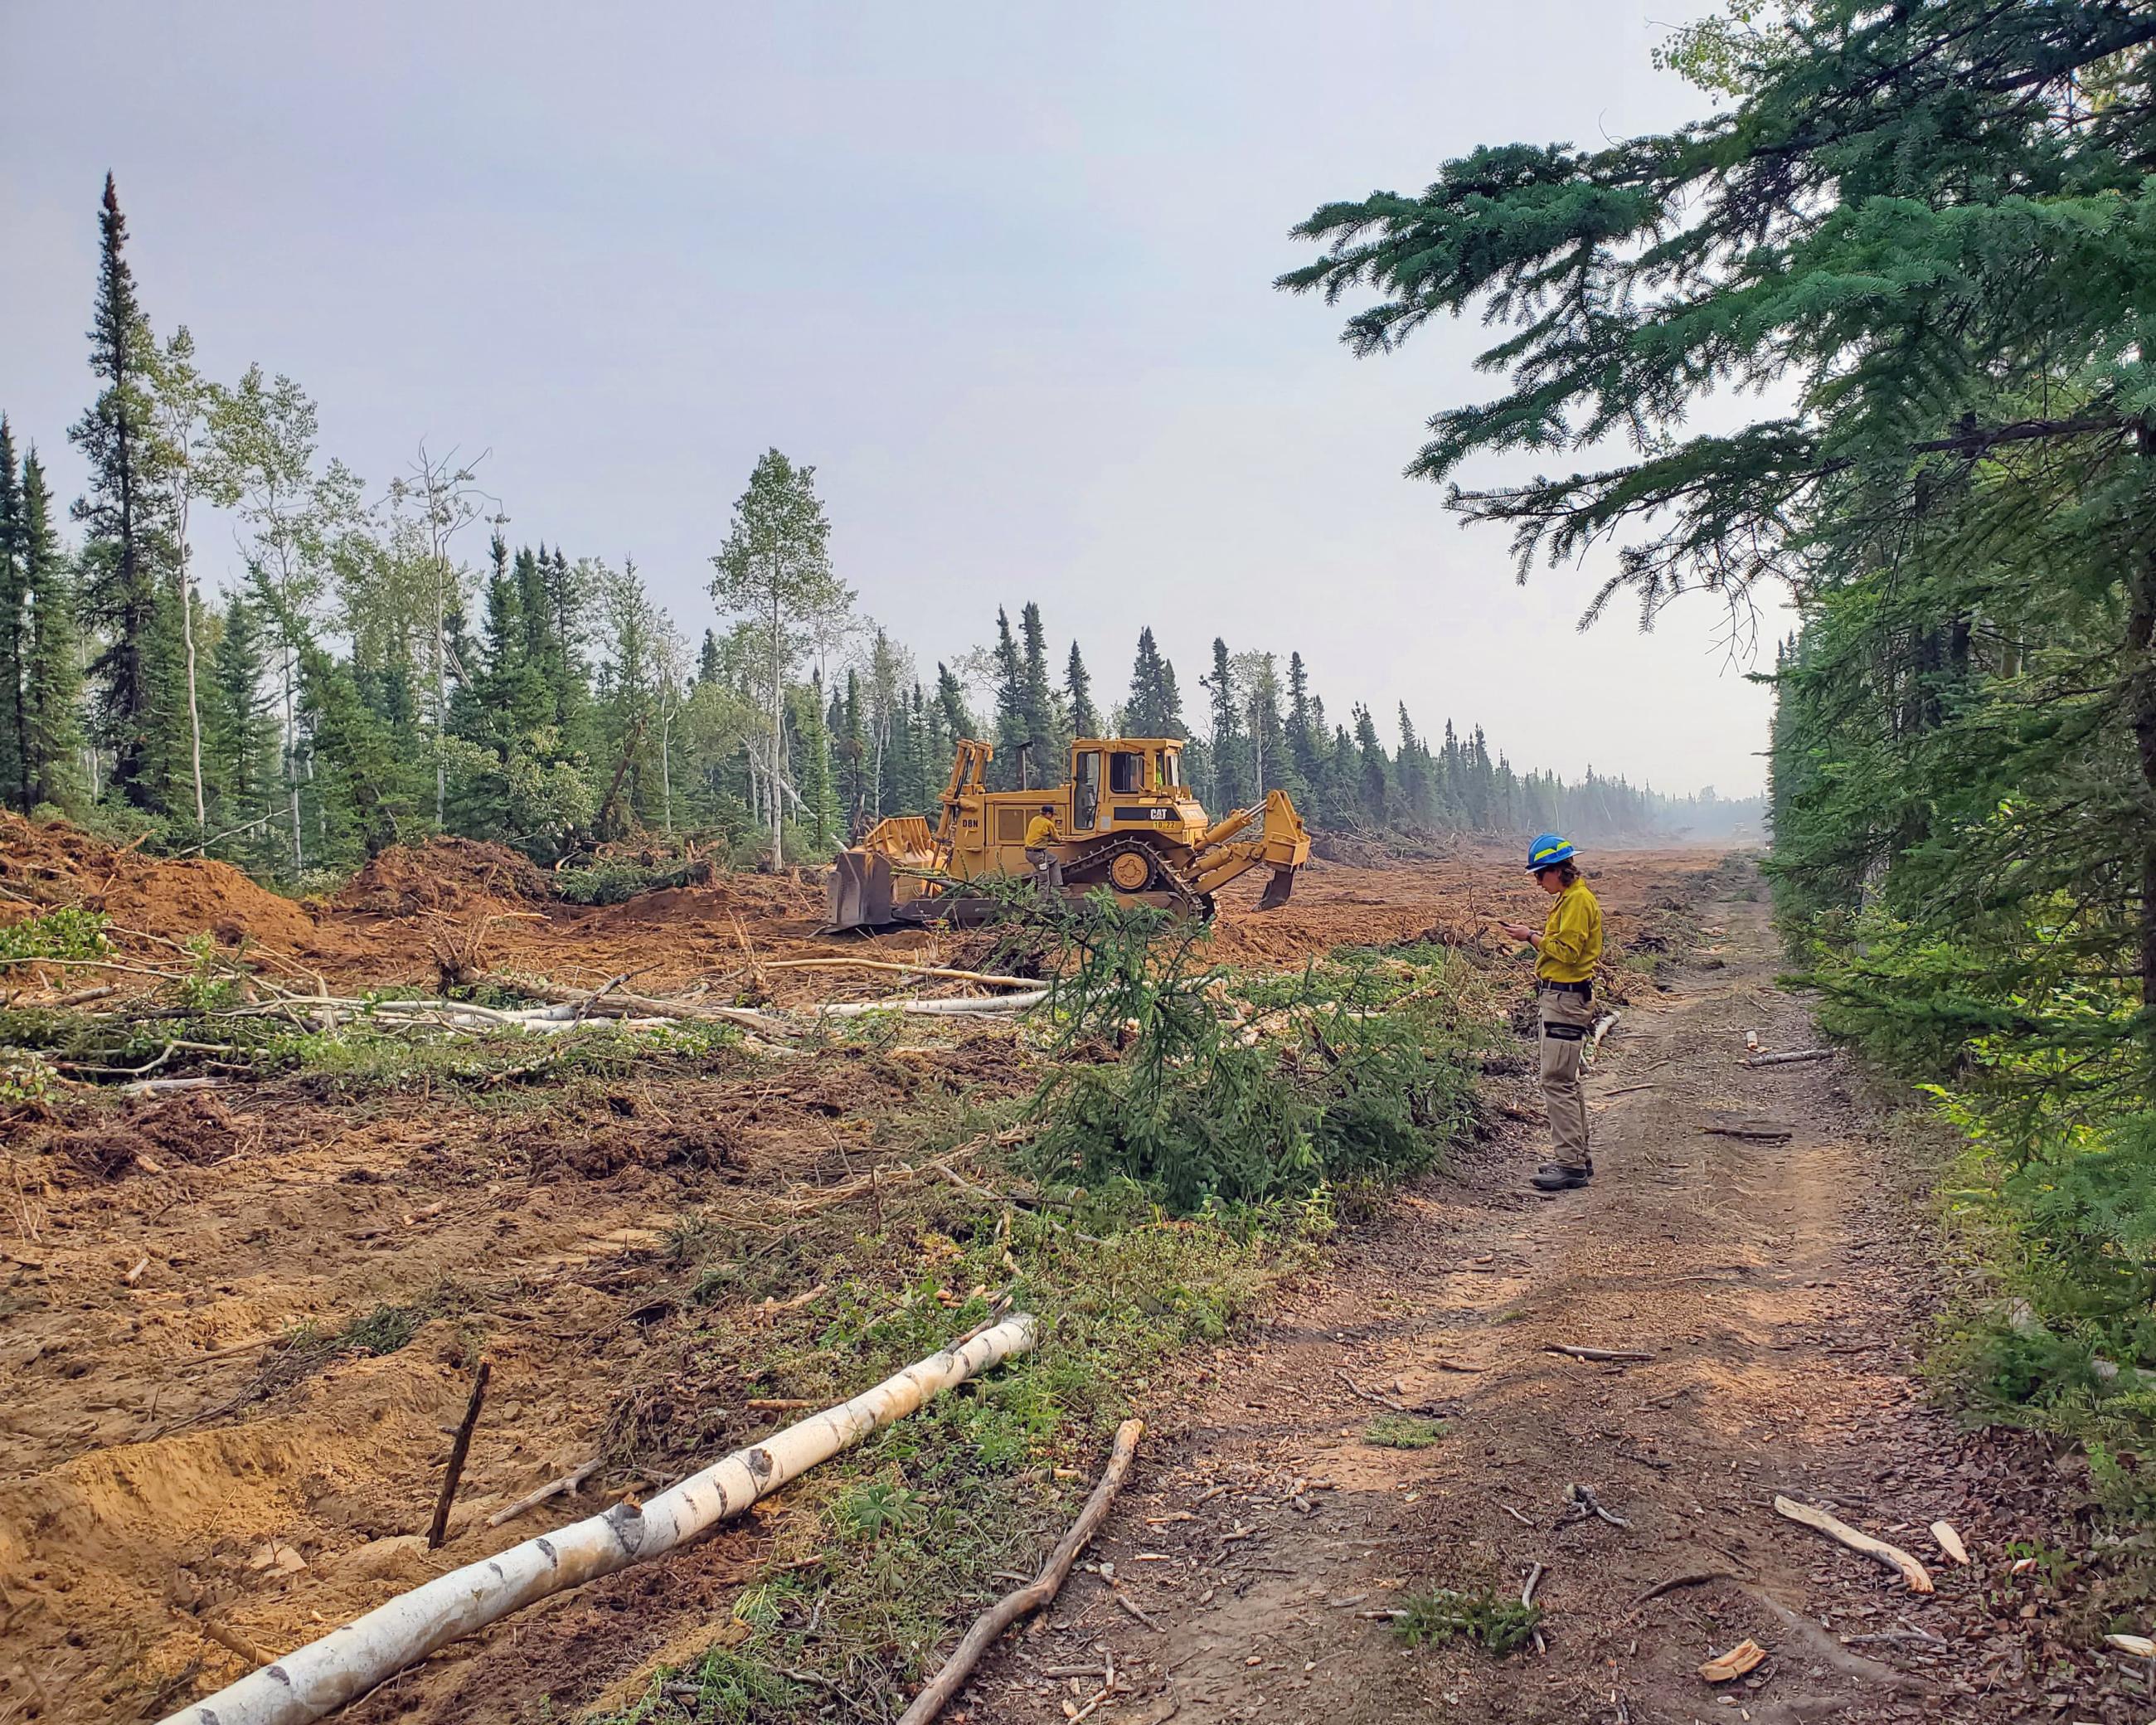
[(1892, 1556), (999, 1617), (459, 1449)]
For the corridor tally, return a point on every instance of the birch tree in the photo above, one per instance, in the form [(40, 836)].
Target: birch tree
[(442, 496), (775, 567), (290, 520), (183, 409)]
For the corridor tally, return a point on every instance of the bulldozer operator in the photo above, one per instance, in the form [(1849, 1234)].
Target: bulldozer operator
[(1040, 834), (1566, 951)]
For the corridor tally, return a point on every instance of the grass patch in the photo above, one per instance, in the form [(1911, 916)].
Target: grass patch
[(1496, 1623), (884, 1547), (1404, 1431)]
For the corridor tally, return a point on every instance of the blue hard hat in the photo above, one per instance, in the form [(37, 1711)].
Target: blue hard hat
[(1547, 851)]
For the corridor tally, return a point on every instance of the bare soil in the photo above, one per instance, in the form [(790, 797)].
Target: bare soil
[(167, 1511), (1780, 1286)]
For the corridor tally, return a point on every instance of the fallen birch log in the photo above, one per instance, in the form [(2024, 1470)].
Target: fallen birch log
[(944, 1686), (932, 1008), (1790, 1060), (323, 1676), (1918, 1578), (986, 979)]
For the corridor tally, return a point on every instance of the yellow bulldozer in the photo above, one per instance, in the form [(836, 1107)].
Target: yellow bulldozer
[(1124, 820)]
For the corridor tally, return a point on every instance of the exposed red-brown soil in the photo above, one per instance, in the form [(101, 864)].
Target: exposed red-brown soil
[(170, 1495)]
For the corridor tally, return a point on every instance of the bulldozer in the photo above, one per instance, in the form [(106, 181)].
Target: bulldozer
[(1125, 821)]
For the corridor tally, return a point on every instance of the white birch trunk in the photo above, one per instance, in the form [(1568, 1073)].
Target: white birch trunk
[(778, 730), (324, 1675)]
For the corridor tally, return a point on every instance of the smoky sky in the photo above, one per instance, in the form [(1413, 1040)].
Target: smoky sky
[(1001, 274)]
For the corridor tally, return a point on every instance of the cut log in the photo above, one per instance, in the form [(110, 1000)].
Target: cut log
[(1792, 1059), (999, 1617), (1596, 1353), (323, 1676), (1912, 1572)]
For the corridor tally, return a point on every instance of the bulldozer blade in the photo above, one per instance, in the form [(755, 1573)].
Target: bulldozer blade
[(858, 894), (1278, 889)]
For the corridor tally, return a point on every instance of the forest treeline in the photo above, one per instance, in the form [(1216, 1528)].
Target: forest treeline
[(1925, 236), (388, 669)]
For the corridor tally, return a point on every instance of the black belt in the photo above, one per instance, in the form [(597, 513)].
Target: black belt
[(1585, 988)]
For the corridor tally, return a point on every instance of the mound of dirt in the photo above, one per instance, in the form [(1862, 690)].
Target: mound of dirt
[(443, 874), (57, 864), (196, 1130)]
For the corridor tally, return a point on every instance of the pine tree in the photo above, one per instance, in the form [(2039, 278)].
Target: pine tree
[(124, 545), (14, 628), (52, 654)]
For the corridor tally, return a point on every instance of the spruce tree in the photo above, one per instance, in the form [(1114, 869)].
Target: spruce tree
[(1078, 696), (240, 735), (1014, 764), (52, 654), (14, 629), (1046, 725), (124, 545), (1234, 779)]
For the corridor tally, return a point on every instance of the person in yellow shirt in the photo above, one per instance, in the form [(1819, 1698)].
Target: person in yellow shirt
[(1039, 834), (1566, 953)]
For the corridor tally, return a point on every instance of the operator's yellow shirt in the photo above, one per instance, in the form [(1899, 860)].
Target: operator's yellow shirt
[(1040, 834), (1572, 939)]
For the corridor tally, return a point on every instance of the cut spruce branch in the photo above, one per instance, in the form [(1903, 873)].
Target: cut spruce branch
[(321, 1676), (1912, 1572), (946, 1684), (1596, 1353)]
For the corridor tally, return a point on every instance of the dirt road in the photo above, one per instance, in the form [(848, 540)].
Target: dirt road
[(1774, 1281)]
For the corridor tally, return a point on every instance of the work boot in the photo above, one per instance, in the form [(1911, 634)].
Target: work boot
[(1559, 1167), (1557, 1177)]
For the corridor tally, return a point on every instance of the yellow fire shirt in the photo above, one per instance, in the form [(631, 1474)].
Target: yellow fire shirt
[(1572, 939)]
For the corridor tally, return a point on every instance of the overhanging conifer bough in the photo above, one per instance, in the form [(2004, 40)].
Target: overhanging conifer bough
[(324, 1675)]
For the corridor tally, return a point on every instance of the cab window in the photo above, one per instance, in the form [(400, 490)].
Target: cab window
[(1086, 791), (1127, 773), (1171, 767)]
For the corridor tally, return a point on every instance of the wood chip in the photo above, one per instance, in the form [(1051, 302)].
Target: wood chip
[(1747, 1655), (1949, 1542)]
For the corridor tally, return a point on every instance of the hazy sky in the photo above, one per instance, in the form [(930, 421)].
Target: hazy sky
[(1002, 273)]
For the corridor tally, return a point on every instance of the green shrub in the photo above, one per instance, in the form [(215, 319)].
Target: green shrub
[(67, 933)]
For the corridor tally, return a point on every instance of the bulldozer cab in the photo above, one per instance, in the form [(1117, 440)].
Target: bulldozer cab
[(1106, 773)]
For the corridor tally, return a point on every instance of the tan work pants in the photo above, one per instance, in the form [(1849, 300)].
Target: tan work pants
[(1567, 1021)]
